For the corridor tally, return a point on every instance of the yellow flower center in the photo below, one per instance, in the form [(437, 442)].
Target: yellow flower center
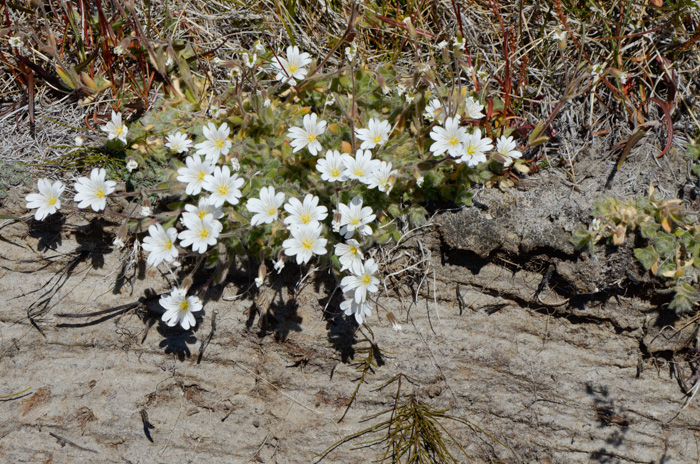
[(311, 138), (184, 305), (471, 149), (377, 139), (204, 233), (307, 243), (453, 141), (354, 222), (359, 173), (305, 218), (202, 213), (220, 143), (293, 68), (119, 130), (100, 193), (222, 190), (353, 250), (366, 279), (51, 200), (200, 176), (335, 172), (272, 211), (168, 244)]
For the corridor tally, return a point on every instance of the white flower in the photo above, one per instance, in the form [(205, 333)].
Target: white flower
[(419, 181), (361, 166), (115, 128), (434, 111), (482, 75), (178, 142), (146, 211), (354, 217), (267, 207), (307, 136), (235, 165), (279, 264), (475, 149), (382, 178), (93, 192), (160, 244), (448, 138), (362, 280), (79, 140), (193, 175), (400, 89), (131, 164), (200, 233), (473, 108), (351, 51), (47, 201), (169, 61), (203, 208), (442, 45), (624, 77), (558, 34), (259, 48), (118, 242), (179, 308), (217, 111), (332, 167), (15, 42), (118, 50), (249, 60), (505, 146), (216, 143), (330, 100), (348, 253), (266, 103), (376, 133), (301, 214), (458, 42), (223, 186), (360, 310), (292, 68), (597, 71), (410, 96), (335, 222), (305, 242)]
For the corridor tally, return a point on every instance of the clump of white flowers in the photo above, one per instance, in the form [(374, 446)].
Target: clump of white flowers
[(338, 204)]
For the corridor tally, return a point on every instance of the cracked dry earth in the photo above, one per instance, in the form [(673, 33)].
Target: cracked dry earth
[(560, 356)]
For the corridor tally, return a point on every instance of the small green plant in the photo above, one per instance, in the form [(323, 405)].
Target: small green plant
[(411, 431), (671, 236), (12, 175)]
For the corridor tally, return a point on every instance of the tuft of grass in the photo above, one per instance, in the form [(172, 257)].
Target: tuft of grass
[(411, 431)]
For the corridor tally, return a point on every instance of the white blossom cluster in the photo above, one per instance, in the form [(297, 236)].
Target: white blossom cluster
[(215, 187), (470, 148)]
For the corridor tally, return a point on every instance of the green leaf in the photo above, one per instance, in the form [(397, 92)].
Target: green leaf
[(647, 256), (394, 210), (649, 229), (384, 238), (581, 238), (665, 244), (685, 298)]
